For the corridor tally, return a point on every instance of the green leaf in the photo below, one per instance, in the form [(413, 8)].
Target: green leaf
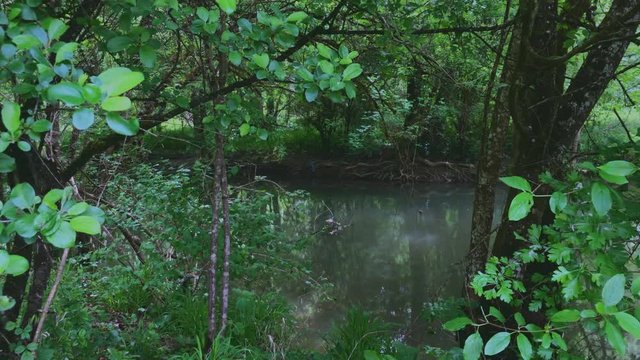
[(559, 341), (350, 90), (64, 237), (351, 72), (615, 338), (119, 43), (371, 355), (524, 346), (82, 119), (23, 196), (472, 347), (25, 226), (497, 343), (618, 168), (262, 60), (78, 209), (635, 286), (40, 126), (4, 260), (493, 311), (118, 80), (65, 52), (17, 265), (566, 316), (6, 303), (517, 182), (244, 129), (26, 41), (56, 29), (305, 74), (148, 56), (92, 93), (520, 206), (601, 198), (11, 116), (456, 324), (202, 13), (324, 50), (122, 126), (558, 202), (297, 16), (116, 103), (235, 58), (326, 66), (67, 92), (311, 94), (228, 6), (628, 323), (86, 224), (618, 180), (7, 163), (24, 146), (263, 134), (613, 290)]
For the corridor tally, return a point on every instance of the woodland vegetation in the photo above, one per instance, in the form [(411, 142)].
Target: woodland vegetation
[(142, 142)]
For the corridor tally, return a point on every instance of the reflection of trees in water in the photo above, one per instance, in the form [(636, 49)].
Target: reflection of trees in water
[(397, 251)]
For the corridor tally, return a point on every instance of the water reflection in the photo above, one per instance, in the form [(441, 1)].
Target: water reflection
[(388, 250)]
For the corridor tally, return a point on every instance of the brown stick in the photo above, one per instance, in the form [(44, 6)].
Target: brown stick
[(52, 294), (213, 258)]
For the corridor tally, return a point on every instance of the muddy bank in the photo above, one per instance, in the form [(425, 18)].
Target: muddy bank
[(421, 170)]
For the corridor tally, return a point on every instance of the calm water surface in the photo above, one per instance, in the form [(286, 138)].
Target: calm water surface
[(386, 249)]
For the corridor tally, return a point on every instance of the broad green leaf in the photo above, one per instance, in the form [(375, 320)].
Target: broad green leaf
[(371, 355), (78, 209), (82, 119), (297, 16), (558, 202), (559, 341), (613, 290), (324, 50), (235, 58), (456, 324), (67, 92), (493, 311), (635, 286), (601, 198), (497, 343), (119, 43), (17, 265), (350, 90), (351, 72), (6, 303), (24, 146), (619, 168), (615, 338), (92, 94), (65, 52), (262, 60), (305, 74), (64, 237), (148, 56), (520, 206), (311, 94), (56, 29), (23, 196), (118, 80), (472, 347), (326, 66), (263, 134), (25, 226), (628, 323), (202, 13), (618, 180), (41, 126), (517, 182), (7, 163), (524, 346), (228, 6), (26, 41), (4, 260), (244, 129), (588, 314), (122, 126), (11, 116), (116, 103), (85, 224), (565, 316)]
